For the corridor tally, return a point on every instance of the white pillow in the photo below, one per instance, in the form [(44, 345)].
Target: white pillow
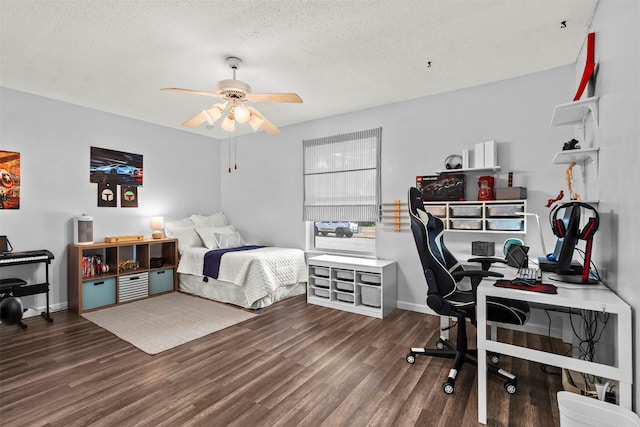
[(226, 241), (208, 234), (171, 226), (187, 238), (215, 220)]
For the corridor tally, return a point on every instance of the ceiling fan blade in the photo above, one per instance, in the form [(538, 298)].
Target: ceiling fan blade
[(196, 120), (267, 126), (191, 91), (274, 97)]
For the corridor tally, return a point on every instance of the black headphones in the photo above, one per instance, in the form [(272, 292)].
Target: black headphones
[(559, 228), (449, 164)]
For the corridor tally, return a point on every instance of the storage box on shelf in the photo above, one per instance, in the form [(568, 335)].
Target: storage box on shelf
[(104, 274), (358, 285), (500, 216)]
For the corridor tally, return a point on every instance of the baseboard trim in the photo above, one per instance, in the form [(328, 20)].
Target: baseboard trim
[(35, 311)]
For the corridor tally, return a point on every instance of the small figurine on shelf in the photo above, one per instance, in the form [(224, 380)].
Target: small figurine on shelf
[(485, 184), (552, 201), (569, 177)]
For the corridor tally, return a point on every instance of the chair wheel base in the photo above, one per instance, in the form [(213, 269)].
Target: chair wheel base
[(448, 387)]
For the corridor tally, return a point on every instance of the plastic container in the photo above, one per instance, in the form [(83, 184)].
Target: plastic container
[(505, 224), (344, 275), (320, 271), (471, 211), (344, 297), (370, 278), (581, 411), (436, 210), (466, 224), (322, 293), (344, 286), (370, 296), (504, 210), (323, 283)]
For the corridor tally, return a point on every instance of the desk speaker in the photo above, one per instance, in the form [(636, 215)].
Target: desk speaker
[(83, 230)]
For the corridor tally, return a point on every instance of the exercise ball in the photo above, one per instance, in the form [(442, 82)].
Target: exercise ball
[(11, 311)]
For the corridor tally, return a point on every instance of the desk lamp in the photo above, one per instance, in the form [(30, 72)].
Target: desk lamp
[(544, 249), (157, 224)]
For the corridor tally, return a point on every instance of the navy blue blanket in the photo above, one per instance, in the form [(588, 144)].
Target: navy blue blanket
[(212, 259)]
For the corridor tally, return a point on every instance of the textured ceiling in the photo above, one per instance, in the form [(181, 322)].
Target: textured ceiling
[(339, 56)]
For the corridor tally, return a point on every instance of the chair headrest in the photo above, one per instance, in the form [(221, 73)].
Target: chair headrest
[(415, 200), (416, 207)]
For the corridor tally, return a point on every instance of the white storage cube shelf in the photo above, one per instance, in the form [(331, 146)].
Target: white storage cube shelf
[(358, 285), (498, 216)]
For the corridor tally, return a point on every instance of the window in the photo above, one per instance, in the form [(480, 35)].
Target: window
[(342, 190)]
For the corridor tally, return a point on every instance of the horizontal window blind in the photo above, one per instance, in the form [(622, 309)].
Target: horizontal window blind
[(342, 177)]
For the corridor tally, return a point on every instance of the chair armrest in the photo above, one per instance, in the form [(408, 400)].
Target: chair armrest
[(487, 262), (475, 274)]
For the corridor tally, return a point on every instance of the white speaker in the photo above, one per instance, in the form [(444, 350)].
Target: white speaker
[(83, 230)]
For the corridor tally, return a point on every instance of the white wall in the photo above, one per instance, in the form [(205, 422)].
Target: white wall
[(181, 176), (617, 51), (416, 138)]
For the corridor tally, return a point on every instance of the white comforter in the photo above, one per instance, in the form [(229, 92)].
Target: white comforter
[(258, 271)]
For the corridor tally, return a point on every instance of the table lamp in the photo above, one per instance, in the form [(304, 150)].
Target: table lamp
[(157, 224)]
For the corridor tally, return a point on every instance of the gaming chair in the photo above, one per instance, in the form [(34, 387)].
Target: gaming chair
[(442, 273)]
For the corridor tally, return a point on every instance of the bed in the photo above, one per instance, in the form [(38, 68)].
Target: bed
[(247, 275)]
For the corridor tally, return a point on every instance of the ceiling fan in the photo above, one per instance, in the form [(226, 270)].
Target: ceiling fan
[(235, 93)]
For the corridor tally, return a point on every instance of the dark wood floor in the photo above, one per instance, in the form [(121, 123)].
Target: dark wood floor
[(293, 365)]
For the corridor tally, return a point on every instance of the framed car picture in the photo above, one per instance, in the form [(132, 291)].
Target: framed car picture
[(115, 167)]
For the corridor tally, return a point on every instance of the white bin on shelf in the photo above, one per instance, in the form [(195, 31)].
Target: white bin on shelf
[(582, 411)]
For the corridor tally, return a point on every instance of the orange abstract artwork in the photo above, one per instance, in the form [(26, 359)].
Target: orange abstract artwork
[(9, 180)]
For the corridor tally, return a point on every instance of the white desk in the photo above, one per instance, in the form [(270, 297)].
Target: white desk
[(589, 297)]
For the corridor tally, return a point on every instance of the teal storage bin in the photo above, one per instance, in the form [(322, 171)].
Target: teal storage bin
[(160, 281), (98, 293)]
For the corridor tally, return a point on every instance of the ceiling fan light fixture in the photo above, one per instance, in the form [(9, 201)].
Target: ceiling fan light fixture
[(241, 114), (255, 122), (212, 114), (228, 123)]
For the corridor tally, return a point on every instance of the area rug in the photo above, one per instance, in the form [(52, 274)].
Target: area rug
[(159, 323)]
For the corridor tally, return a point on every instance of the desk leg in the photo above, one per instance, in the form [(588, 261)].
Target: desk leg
[(481, 314)]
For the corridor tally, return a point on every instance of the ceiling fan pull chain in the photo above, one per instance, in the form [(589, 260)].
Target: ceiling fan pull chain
[(229, 153)]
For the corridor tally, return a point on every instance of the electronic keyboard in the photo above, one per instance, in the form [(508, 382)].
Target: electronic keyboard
[(25, 257)]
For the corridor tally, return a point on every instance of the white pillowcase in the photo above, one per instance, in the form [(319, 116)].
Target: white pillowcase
[(187, 238), (215, 220), (208, 234), (226, 241), (170, 227)]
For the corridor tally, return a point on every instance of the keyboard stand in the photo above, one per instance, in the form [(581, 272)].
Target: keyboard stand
[(18, 287)]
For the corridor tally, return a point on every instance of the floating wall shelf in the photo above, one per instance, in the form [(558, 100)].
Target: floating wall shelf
[(575, 113)]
